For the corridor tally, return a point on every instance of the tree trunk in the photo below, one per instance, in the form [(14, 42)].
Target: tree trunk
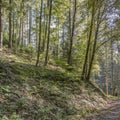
[(1, 41), (36, 28), (22, 33), (72, 33), (20, 26), (118, 70), (94, 46), (48, 36), (13, 29), (118, 83), (30, 24), (45, 28), (40, 30), (106, 69), (10, 25), (112, 68), (83, 75)]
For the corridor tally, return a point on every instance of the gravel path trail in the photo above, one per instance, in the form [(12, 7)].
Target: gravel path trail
[(111, 112)]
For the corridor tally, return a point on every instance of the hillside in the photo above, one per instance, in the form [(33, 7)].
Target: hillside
[(59, 59), (37, 93)]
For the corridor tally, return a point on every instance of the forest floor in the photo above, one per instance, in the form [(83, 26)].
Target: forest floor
[(111, 112), (28, 92)]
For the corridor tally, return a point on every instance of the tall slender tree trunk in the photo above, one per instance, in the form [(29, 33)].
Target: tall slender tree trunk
[(22, 33), (83, 75), (1, 41), (30, 24), (63, 41), (45, 28), (46, 17), (40, 37), (94, 46), (10, 25), (118, 81), (58, 35), (36, 28), (112, 68), (106, 69), (118, 70), (13, 29), (16, 39), (72, 31), (20, 26), (48, 36), (45, 36), (27, 19)]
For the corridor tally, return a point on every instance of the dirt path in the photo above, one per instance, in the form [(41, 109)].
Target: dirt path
[(111, 112)]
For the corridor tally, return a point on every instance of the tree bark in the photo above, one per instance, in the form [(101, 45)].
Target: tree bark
[(112, 68), (83, 75), (1, 41), (94, 46), (30, 23), (45, 28), (106, 69), (10, 25), (72, 30), (48, 36), (40, 30)]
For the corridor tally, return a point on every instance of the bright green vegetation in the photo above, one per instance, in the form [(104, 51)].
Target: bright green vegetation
[(38, 93)]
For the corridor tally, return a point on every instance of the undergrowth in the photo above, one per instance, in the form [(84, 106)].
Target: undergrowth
[(36, 93)]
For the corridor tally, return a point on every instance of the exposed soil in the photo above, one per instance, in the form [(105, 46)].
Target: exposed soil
[(111, 112)]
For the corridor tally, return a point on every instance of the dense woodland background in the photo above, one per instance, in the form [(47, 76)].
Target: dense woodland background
[(53, 56), (81, 36)]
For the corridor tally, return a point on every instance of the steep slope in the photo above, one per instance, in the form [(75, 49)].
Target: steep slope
[(37, 93)]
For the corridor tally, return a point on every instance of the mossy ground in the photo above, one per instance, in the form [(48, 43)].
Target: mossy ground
[(38, 93)]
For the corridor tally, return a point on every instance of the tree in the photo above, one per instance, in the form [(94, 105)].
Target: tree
[(48, 36), (83, 76), (106, 68), (1, 41), (40, 30), (10, 24), (71, 30), (30, 23)]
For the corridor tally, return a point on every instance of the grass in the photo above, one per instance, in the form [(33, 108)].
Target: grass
[(36, 93)]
